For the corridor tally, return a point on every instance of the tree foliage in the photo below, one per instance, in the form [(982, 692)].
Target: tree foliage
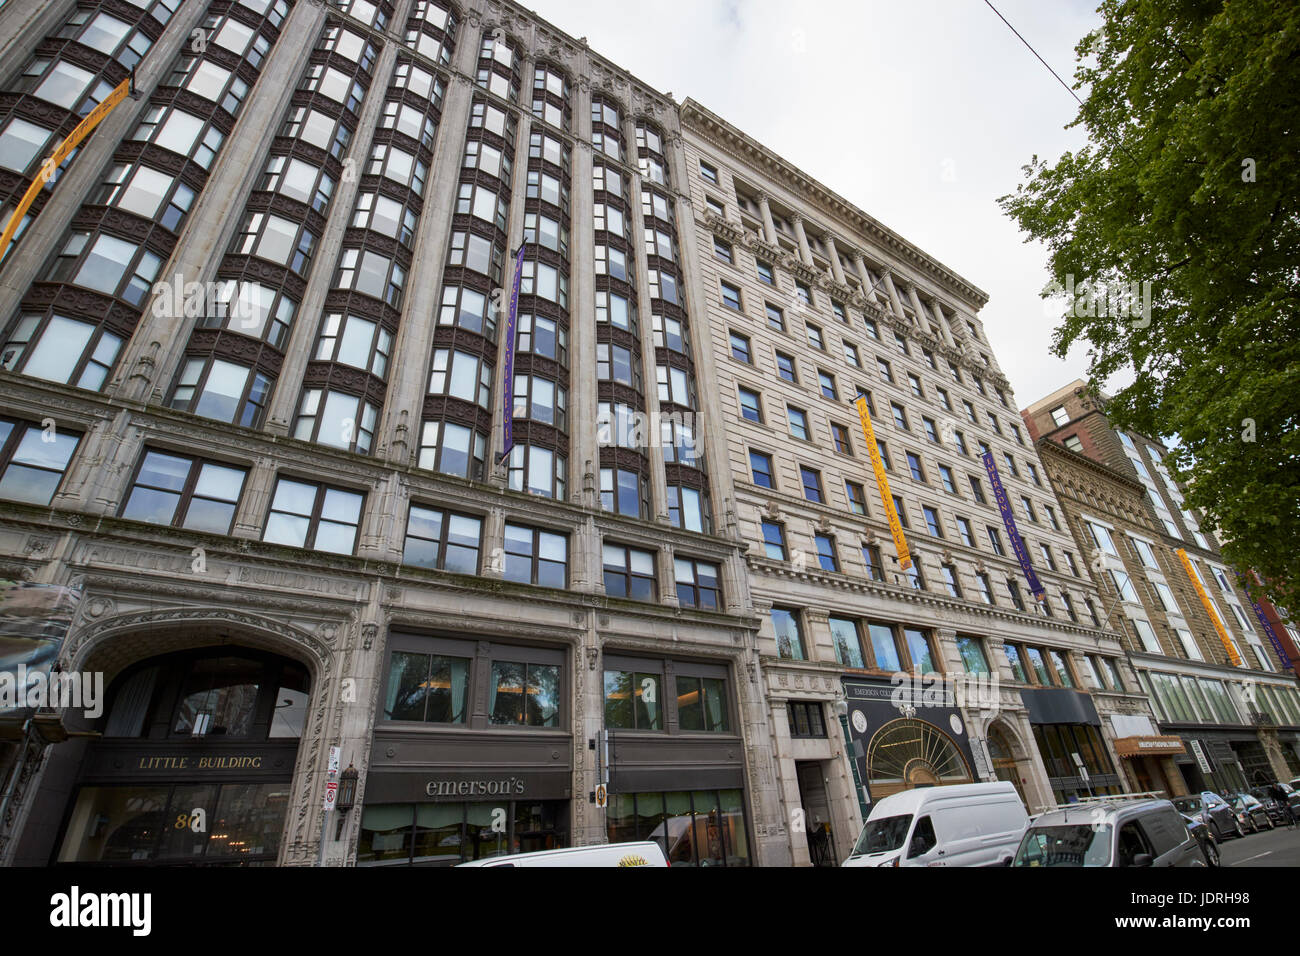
[(1191, 181)]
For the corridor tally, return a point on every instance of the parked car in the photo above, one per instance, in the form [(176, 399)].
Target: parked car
[(1252, 814), (1212, 810), (1277, 810), (648, 853), (1204, 839), (975, 824), (1115, 833)]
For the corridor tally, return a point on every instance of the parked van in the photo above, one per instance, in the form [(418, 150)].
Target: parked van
[(974, 824), (648, 853)]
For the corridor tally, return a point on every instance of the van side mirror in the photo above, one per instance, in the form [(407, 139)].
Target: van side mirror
[(1142, 859)]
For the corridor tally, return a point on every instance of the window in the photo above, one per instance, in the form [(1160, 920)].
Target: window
[(535, 556), (945, 477), (279, 240), (689, 508), (775, 317), (722, 250), (785, 367), (1060, 416), (697, 583), (964, 530), (827, 383), (1011, 463), (1013, 589), (430, 688), (1072, 442), (221, 390), (848, 645), (872, 331), (902, 511), (970, 412), (900, 343), (886, 372), (313, 516), (806, 719), (884, 454), (740, 349), (803, 292), (443, 540), (857, 497), (943, 399), (985, 589), (993, 423), (930, 431), (915, 384), (1124, 585), (1028, 507), (774, 540), (960, 441), (538, 471), (351, 340), (336, 419), (851, 355), (798, 420), (298, 180), (976, 489), (1146, 635), (675, 386), (765, 273), (812, 485), (32, 461), (815, 337), (1047, 555), (142, 190), (761, 466), (915, 580), (884, 647), (21, 143), (629, 573), (185, 493), (950, 580), (108, 265), (624, 492), (932, 521), (789, 639), (452, 449), (995, 540), (709, 172), (525, 694), (535, 398), (871, 559), (914, 466), (840, 434), (60, 349), (633, 700), (702, 704), (1068, 604), (826, 555), (730, 296)]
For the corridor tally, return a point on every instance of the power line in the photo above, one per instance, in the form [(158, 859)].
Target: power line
[(1035, 53)]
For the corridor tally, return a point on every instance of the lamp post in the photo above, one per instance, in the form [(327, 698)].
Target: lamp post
[(842, 712)]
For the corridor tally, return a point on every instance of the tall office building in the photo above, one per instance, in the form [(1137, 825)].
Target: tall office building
[(253, 390), (813, 304), (1198, 645)]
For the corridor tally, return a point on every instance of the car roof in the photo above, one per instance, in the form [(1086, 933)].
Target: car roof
[(907, 801), (1099, 811)]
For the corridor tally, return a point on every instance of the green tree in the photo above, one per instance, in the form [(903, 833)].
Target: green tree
[(1191, 181)]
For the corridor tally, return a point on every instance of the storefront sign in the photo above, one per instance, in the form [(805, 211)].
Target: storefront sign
[(189, 762), (498, 787), (1141, 746)]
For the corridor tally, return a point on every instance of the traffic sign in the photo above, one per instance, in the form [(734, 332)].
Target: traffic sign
[(331, 794), (602, 795)]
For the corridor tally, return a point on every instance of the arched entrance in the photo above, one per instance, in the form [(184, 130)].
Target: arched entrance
[(195, 763), (1005, 766), (907, 753)]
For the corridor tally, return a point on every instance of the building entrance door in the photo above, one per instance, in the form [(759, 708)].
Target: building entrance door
[(817, 813)]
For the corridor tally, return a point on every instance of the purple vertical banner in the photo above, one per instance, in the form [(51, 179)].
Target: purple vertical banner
[(1009, 519), (1266, 625), (510, 356)]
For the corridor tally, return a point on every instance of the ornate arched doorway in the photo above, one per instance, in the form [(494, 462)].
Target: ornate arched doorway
[(907, 753), (195, 762), (1004, 760)]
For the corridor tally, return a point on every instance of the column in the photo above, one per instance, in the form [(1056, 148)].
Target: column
[(944, 330), (769, 227), (837, 270), (893, 295), (805, 254)]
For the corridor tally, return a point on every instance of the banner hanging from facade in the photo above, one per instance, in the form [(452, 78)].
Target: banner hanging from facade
[(882, 482), (1009, 520), (1266, 624), (1233, 656), (510, 356)]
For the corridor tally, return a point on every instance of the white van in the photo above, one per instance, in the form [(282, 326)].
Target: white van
[(648, 853), (974, 824)]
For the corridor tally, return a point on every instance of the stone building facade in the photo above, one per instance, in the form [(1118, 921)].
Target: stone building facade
[(260, 323), (812, 303), (1226, 696)]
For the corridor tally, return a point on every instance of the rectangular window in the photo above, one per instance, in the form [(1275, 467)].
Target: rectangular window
[(789, 639), (857, 497), (995, 540), (750, 408), (524, 694), (314, 516), (812, 485), (185, 493), (973, 658), (806, 718), (698, 583), (443, 540), (633, 700), (932, 521), (871, 559), (730, 296), (702, 704), (964, 529), (914, 466), (950, 580), (765, 273), (826, 555), (840, 434), (775, 317), (740, 349), (33, 460), (985, 589), (785, 367), (761, 466), (535, 556), (774, 540), (430, 688), (629, 573), (798, 420)]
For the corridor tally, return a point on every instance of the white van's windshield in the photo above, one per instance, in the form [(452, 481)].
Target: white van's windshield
[(882, 835), (1082, 844)]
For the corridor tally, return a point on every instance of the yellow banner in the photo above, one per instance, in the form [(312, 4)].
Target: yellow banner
[(882, 482), (56, 158), (1209, 609)]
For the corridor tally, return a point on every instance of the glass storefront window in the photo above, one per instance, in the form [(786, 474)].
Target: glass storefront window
[(695, 828), (445, 834)]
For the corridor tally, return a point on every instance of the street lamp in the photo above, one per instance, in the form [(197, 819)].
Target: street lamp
[(842, 712), (347, 796)]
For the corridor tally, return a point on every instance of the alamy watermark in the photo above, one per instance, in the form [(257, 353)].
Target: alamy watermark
[(1115, 300), (42, 687)]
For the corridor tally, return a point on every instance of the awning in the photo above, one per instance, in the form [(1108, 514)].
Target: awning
[(1145, 746)]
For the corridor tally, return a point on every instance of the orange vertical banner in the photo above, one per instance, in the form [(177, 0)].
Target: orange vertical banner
[(882, 482), (1209, 609)]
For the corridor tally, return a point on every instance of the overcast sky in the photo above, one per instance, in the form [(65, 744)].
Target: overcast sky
[(921, 112)]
